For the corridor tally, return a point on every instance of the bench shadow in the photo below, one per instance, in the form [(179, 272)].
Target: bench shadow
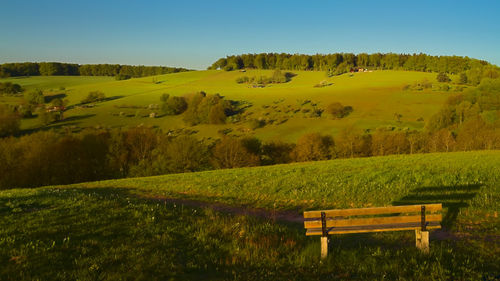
[(453, 198)]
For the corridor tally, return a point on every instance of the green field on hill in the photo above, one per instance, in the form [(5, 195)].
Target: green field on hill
[(376, 97), (121, 229)]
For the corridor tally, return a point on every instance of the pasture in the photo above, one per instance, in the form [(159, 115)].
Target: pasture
[(124, 229), (376, 98)]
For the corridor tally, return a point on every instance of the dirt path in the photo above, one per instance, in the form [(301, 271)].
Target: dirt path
[(275, 215)]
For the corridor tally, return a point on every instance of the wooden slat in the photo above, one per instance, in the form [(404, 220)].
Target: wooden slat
[(373, 228), (372, 221), (373, 211)]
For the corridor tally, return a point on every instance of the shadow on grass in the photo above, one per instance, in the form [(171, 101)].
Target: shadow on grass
[(453, 198), (93, 104), (69, 121), (49, 99)]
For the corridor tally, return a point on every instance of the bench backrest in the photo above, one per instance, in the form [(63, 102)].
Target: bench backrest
[(371, 219)]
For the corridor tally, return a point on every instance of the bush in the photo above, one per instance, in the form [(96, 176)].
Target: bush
[(243, 79), (442, 77), (256, 123), (277, 77), (9, 88), (173, 105), (462, 78), (48, 117), (95, 96), (207, 109), (337, 110), (9, 121), (276, 152), (35, 97), (122, 77)]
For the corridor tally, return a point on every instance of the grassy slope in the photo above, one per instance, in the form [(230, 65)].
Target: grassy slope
[(343, 183), (102, 230), (375, 97)]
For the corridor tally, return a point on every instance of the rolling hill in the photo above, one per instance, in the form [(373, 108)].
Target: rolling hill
[(376, 97)]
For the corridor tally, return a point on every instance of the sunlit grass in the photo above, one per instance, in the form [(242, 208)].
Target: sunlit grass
[(110, 234), (375, 97)]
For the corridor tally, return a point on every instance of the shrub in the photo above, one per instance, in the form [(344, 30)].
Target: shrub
[(9, 88), (337, 110), (277, 152), (9, 121), (122, 77), (243, 79), (35, 97), (442, 77), (207, 109), (256, 123), (173, 105)]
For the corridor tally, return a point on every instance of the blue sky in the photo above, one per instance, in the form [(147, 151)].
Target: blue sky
[(194, 34)]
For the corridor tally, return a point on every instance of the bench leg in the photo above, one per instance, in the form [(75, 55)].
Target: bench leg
[(422, 240), (324, 247)]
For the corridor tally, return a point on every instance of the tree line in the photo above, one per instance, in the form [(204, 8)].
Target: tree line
[(339, 63), (48, 158), (57, 68)]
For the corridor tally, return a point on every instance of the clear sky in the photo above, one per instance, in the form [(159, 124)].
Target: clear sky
[(194, 34)]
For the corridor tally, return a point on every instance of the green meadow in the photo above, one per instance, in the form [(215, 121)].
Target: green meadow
[(123, 229), (375, 97)]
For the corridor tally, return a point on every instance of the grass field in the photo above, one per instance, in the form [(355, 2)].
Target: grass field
[(375, 96), (111, 230)]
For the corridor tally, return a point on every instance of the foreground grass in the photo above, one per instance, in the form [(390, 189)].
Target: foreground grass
[(110, 234), (110, 230)]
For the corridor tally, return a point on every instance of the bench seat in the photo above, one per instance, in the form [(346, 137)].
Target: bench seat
[(373, 228)]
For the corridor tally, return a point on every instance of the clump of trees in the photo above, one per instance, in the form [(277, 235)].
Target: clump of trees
[(338, 111), (207, 109), (10, 121), (57, 68), (232, 152), (421, 85), (277, 77), (313, 147), (338, 63), (478, 103), (35, 97), (173, 105), (442, 77), (122, 77), (9, 88), (94, 96)]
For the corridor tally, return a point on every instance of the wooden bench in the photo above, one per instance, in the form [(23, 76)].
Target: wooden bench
[(413, 217)]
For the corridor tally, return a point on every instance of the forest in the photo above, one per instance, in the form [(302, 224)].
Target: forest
[(339, 63), (57, 68)]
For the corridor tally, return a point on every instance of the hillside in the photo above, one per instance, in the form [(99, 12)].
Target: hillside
[(376, 97), (123, 228)]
